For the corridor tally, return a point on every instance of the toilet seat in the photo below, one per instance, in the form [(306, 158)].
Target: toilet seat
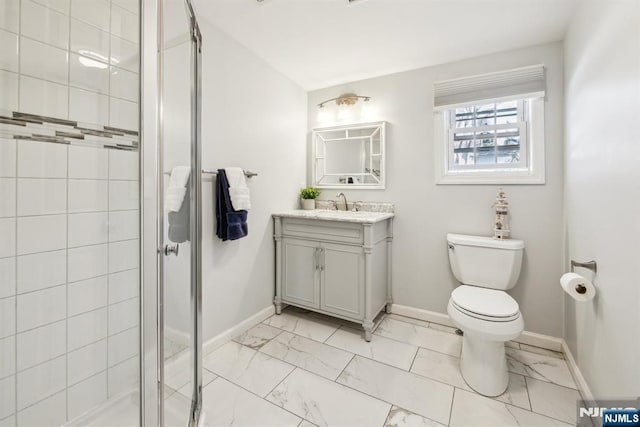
[(485, 304)]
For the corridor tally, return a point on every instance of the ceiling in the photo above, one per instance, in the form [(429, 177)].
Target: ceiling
[(320, 43)]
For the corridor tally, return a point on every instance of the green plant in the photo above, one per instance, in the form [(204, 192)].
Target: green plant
[(309, 193)]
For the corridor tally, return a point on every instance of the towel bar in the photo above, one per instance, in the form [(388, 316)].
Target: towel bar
[(248, 174)]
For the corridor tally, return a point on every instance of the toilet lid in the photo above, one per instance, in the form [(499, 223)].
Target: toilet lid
[(483, 301)]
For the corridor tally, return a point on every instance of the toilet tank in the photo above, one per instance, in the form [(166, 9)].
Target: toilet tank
[(484, 261)]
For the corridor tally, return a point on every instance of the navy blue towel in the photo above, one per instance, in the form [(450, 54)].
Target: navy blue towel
[(230, 224)]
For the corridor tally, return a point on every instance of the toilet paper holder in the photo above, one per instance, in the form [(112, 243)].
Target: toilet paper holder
[(589, 265)]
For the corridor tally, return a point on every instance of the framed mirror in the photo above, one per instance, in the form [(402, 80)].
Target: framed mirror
[(349, 156)]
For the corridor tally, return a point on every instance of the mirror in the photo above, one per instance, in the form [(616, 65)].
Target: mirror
[(349, 156)]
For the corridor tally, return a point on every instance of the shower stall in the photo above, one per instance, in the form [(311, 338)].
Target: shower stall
[(100, 285)]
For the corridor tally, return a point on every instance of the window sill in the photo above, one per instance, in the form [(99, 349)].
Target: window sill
[(524, 177)]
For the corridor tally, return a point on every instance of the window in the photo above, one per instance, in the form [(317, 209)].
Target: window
[(492, 140), (488, 136)]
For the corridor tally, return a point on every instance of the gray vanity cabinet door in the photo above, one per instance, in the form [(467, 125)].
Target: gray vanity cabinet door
[(301, 272), (342, 280)]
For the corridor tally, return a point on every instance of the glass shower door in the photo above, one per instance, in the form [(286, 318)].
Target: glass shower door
[(181, 215)]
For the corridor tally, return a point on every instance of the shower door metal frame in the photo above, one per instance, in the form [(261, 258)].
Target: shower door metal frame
[(152, 213), (196, 215), (150, 237)]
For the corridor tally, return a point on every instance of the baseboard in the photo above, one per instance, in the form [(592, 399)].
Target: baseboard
[(177, 336), (226, 336), (583, 387), (421, 314), (529, 338), (540, 340)]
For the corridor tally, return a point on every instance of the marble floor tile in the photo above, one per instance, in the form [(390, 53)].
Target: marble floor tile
[(294, 309), (407, 319), (543, 351), (168, 392), (540, 367), (226, 404), (445, 368), (516, 393), (207, 377), (308, 354), (512, 344), (399, 417), (176, 410), (326, 403), (306, 326), (553, 400), (179, 378), (443, 328), (244, 366), (418, 335), (382, 349), (257, 336), (423, 396), (439, 366), (177, 370), (305, 423), (336, 320), (472, 410), (171, 348)]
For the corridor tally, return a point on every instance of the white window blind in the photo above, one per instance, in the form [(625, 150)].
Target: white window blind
[(526, 82)]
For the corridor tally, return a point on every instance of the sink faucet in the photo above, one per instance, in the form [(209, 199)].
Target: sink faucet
[(346, 205)]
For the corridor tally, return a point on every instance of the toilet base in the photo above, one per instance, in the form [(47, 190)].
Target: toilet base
[(484, 365)]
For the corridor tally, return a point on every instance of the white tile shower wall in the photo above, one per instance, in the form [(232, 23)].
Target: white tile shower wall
[(68, 214), (69, 282), (90, 48)]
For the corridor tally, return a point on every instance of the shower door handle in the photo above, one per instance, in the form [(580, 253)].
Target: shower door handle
[(171, 249)]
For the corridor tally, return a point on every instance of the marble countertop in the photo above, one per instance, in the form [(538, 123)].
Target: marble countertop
[(361, 217)]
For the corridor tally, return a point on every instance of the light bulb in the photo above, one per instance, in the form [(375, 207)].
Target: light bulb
[(367, 111), (323, 114)]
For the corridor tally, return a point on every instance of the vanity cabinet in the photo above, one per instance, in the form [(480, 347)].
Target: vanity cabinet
[(340, 266)]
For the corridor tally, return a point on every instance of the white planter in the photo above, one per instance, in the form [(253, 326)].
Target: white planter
[(308, 204)]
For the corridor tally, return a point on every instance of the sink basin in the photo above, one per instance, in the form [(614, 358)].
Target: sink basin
[(333, 215)]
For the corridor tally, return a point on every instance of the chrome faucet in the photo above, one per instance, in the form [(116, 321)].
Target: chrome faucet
[(346, 205)]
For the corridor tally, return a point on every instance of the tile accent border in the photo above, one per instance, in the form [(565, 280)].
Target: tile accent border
[(32, 127), (531, 338)]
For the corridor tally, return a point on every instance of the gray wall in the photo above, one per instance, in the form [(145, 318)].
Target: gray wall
[(254, 118), (602, 192), (426, 212)]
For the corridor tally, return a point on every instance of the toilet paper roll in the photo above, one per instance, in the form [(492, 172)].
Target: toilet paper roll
[(578, 287)]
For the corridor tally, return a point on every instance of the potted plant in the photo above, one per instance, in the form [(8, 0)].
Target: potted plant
[(308, 198)]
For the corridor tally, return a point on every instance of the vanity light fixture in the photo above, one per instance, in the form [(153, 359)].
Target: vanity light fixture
[(346, 99)]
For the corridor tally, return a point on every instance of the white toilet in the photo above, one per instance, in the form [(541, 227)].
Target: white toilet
[(482, 309)]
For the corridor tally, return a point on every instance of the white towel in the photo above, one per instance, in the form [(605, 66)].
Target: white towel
[(174, 194), (238, 190)]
